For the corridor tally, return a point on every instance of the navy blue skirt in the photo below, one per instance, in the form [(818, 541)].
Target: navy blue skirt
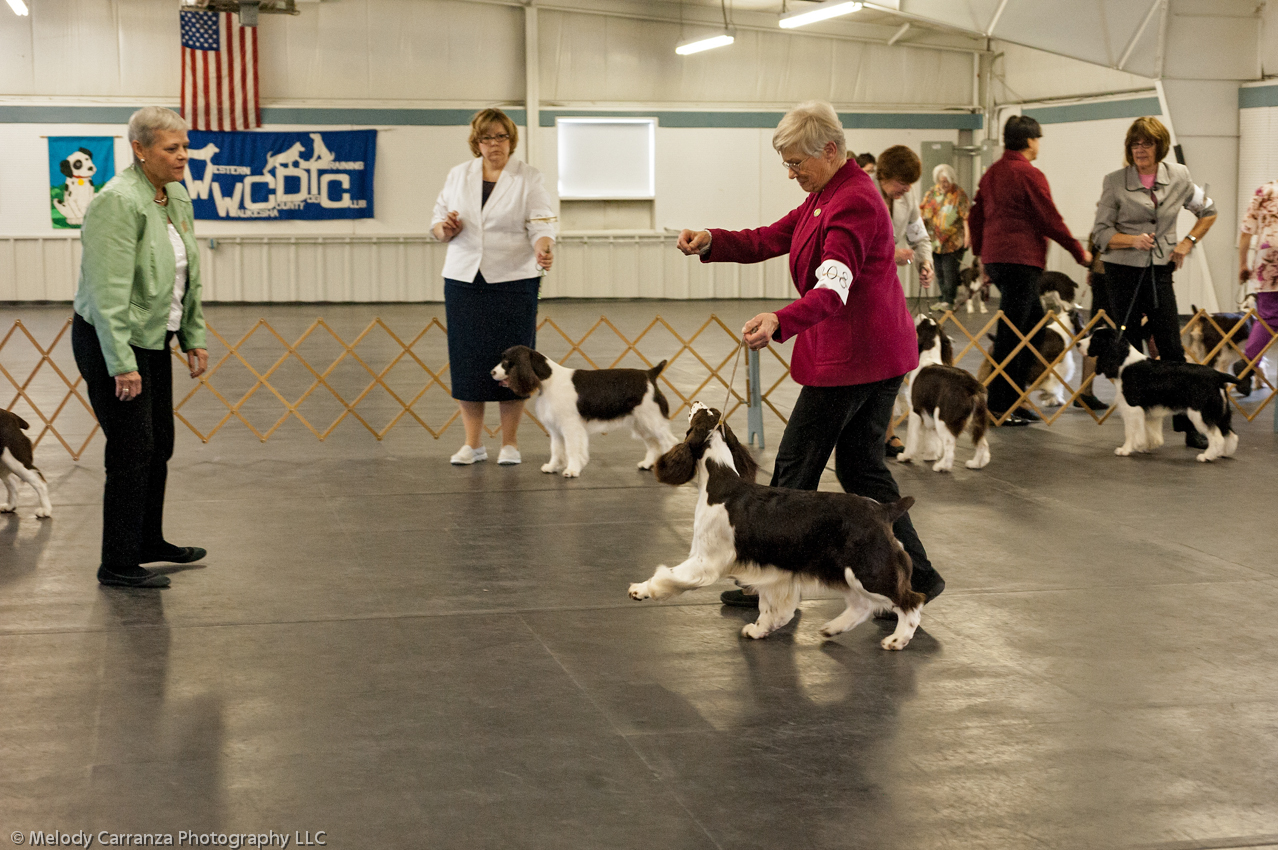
[(484, 319)]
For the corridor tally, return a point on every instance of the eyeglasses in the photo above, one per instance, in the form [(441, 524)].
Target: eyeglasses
[(1143, 145), (493, 140), (795, 165)]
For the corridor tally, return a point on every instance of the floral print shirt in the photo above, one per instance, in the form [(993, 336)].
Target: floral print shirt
[(943, 215), (1261, 221)]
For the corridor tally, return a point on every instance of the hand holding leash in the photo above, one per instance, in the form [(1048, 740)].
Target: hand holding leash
[(758, 331), (545, 253), (694, 242)]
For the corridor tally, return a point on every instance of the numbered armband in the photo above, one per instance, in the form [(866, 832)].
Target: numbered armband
[(835, 276)]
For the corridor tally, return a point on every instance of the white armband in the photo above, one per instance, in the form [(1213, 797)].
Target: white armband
[(1198, 201), (835, 276), (915, 232)]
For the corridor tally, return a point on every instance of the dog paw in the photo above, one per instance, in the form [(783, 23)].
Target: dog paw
[(549, 468), (1122, 451), (894, 642), (571, 473), (8, 509), (43, 513), (976, 464), (639, 591), (1205, 458), (903, 458), (753, 631), (830, 630), (646, 465), (941, 466)]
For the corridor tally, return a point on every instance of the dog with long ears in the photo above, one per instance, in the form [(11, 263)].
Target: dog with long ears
[(1147, 390), (1203, 337), (944, 400), (17, 460), (572, 403), (781, 542)]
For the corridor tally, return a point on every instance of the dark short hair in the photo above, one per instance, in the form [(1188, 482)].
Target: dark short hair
[(1147, 129), (899, 163), (1018, 130), (864, 159)]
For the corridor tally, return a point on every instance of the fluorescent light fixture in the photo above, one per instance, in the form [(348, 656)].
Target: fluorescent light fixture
[(19, 8), (823, 12), (723, 39)]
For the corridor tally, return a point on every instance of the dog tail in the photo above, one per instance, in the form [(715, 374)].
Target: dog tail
[(897, 509), (980, 417), (657, 395)]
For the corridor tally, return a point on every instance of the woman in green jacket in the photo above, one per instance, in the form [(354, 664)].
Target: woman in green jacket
[(139, 287)]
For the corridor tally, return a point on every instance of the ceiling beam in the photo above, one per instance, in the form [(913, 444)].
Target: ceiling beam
[(896, 36), (1144, 24)]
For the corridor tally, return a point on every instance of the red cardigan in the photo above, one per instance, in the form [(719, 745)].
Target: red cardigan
[(1013, 215), (872, 337)]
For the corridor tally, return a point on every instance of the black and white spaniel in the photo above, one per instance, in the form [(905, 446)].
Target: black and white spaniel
[(1147, 390), (781, 542), (944, 400), (571, 403)]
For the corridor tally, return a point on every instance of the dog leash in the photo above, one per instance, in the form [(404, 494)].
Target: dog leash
[(723, 416)]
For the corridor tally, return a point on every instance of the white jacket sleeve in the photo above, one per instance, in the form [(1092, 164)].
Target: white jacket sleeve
[(540, 219)]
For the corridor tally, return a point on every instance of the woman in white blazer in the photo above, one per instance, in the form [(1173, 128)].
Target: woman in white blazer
[(497, 219)]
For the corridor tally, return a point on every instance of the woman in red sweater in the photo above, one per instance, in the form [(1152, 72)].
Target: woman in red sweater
[(854, 337)]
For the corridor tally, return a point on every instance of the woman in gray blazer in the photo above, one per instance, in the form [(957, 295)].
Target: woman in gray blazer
[(1136, 231)]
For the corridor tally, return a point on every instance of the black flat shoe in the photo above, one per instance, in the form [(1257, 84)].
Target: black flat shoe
[(893, 447), (1027, 414), (176, 555), (1087, 401), (739, 599), (1195, 440), (1012, 421), (145, 579)]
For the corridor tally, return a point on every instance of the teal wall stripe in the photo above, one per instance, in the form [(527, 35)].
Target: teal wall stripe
[(1133, 108), (1251, 97), (461, 117), (769, 120)]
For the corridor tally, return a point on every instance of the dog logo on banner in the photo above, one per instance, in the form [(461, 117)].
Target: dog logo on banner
[(282, 175), (79, 166)]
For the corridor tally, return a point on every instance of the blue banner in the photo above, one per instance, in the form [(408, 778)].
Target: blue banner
[(79, 166), (282, 175)]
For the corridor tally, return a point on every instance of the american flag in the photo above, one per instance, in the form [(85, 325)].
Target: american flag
[(219, 72)]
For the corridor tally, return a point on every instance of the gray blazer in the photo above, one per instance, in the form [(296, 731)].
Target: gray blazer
[(1126, 207), (908, 228)]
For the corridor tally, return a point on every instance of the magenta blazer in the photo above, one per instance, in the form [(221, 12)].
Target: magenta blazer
[(851, 319)]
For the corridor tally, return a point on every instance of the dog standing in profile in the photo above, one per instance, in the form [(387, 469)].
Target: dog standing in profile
[(781, 541), (1147, 390), (571, 403), (944, 400), (17, 461)]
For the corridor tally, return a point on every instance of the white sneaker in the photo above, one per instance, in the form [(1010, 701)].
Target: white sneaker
[(941, 306), (509, 456), (466, 456)]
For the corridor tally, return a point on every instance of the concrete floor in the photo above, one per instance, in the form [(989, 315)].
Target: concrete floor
[(400, 653)]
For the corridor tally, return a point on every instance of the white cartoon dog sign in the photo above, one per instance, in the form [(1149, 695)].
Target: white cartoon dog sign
[(78, 190)]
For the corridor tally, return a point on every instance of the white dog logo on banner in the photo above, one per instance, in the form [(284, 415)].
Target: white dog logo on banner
[(78, 190)]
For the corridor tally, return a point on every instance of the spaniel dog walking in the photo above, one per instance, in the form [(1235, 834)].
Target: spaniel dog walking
[(781, 542), (17, 460), (1147, 390), (571, 403), (944, 400)]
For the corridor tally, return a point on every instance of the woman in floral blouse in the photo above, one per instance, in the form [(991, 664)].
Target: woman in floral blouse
[(1261, 221), (945, 209)]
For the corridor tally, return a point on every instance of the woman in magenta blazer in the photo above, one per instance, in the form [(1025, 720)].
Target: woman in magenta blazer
[(854, 337)]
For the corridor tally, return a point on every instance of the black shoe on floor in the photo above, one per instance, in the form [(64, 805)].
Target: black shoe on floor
[(1012, 421), (131, 577), (937, 588), (1195, 440), (739, 599), (1027, 414), (893, 448), (176, 555), (1087, 401)]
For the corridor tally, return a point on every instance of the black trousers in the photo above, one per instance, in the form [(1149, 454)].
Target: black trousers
[(139, 443), (1151, 287), (1019, 301), (852, 422), (947, 274)]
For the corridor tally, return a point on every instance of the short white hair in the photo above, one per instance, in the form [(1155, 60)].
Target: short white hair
[(810, 127), (944, 170), (144, 124)]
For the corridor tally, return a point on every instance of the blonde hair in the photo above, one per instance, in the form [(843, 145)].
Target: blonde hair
[(147, 121), (810, 127), (946, 170), (486, 117)]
